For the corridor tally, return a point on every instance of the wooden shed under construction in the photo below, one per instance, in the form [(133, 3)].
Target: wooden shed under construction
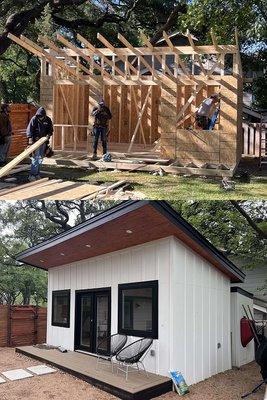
[(153, 93)]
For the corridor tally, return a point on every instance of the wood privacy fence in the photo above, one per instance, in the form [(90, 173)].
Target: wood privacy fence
[(21, 115), (252, 139), (22, 325)]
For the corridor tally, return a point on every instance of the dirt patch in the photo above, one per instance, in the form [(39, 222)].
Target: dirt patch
[(229, 385), (61, 386)]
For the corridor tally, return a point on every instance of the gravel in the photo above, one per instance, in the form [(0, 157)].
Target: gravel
[(61, 386)]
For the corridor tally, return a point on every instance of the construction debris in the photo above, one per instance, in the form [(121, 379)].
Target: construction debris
[(227, 185), (123, 163)]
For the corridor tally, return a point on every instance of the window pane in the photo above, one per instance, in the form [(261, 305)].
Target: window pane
[(61, 308), (137, 309)]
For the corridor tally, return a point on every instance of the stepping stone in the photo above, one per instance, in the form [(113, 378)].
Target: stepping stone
[(17, 374), (2, 380), (41, 369)]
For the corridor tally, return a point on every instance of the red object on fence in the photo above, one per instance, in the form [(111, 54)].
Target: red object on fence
[(245, 331)]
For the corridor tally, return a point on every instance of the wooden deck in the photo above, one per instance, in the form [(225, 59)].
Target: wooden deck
[(83, 366)]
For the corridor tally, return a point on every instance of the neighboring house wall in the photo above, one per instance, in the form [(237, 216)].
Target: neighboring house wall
[(240, 355), (256, 278), (194, 304)]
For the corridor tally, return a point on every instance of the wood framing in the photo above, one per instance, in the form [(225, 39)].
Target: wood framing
[(153, 93)]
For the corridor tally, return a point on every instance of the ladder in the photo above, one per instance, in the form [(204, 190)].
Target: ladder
[(263, 145)]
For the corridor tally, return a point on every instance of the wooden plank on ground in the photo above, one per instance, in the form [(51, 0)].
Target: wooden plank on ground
[(15, 189), (105, 191), (77, 192), (53, 187), (7, 168), (169, 169), (18, 169), (27, 192)]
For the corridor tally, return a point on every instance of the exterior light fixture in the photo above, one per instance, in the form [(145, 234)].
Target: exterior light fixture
[(129, 231)]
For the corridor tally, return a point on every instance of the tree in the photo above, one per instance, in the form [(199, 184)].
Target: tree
[(223, 225), (24, 224)]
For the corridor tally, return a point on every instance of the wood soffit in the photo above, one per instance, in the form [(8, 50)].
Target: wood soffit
[(139, 226)]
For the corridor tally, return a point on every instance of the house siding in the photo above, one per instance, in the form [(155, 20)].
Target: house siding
[(191, 322), (240, 355), (201, 316)]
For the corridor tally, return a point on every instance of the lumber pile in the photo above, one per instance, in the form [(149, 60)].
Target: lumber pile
[(57, 189)]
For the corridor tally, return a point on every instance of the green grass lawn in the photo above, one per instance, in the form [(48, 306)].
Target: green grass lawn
[(168, 187)]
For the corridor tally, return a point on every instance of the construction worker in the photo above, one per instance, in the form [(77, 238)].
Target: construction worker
[(205, 112), (5, 133), (102, 116), (40, 125)]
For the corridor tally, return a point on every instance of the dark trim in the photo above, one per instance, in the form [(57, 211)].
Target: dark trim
[(145, 394), (124, 208), (53, 323), (139, 285), (94, 293), (237, 289)]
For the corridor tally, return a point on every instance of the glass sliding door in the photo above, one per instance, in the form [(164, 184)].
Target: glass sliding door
[(86, 327), (92, 324), (102, 321)]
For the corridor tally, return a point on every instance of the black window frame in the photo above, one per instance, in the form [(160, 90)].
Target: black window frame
[(54, 293), (140, 285)]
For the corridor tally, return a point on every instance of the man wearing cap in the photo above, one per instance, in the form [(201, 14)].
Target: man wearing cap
[(40, 125), (102, 116), (5, 133), (206, 110)]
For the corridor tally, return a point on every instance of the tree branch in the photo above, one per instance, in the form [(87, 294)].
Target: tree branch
[(107, 17), (170, 23), (260, 233)]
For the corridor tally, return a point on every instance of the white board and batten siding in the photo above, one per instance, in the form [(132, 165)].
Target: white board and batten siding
[(240, 355), (194, 304)]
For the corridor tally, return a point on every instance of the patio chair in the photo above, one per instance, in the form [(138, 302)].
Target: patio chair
[(114, 344), (133, 354)]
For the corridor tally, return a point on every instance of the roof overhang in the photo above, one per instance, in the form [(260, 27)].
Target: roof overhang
[(126, 225), (260, 308)]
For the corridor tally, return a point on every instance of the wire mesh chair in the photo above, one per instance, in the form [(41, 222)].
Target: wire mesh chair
[(112, 345), (133, 354)]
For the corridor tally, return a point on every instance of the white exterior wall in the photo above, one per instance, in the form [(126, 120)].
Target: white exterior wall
[(194, 304), (200, 311), (240, 355)]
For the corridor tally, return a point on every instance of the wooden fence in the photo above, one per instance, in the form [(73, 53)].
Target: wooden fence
[(22, 325), (251, 140), (21, 115)]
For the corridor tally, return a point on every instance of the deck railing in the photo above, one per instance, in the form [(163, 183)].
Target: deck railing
[(253, 139)]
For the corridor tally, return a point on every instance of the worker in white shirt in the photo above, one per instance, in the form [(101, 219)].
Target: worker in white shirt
[(206, 110)]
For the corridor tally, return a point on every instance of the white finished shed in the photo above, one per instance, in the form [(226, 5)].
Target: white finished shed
[(141, 269)]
